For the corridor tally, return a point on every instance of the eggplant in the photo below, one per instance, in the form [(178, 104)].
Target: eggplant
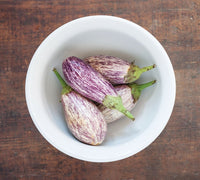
[(130, 94), (91, 84), (83, 118), (116, 70)]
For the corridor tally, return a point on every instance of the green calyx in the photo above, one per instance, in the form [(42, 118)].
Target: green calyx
[(115, 102), (65, 88), (136, 89), (135, 72)]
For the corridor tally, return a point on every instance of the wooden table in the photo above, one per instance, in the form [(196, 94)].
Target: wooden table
[(25, 154)]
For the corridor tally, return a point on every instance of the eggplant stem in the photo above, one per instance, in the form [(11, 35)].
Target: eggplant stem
[(115, 102), (145, 85), (147, 68), (65, 88), (135, 72), (136, 89)]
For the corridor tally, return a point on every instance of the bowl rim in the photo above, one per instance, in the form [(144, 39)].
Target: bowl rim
[(156, 131)]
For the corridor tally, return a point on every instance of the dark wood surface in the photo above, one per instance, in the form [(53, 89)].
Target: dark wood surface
[(25, 154)]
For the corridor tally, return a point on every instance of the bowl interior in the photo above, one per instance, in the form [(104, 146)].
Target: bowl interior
[(108, 36), (105, 42)]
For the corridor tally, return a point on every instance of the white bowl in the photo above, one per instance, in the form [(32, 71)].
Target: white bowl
[(95, 35)]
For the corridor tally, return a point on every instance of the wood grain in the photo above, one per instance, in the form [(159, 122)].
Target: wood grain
[(25, 154)]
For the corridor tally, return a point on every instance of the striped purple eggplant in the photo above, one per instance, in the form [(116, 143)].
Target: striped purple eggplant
[(91, 84), (83, 118), (130, 94), (116, 70)]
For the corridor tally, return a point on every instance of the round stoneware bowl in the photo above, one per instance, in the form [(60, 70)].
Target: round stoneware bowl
[(107, 35)]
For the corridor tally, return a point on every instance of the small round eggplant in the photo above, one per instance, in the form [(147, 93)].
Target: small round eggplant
[(83, 118), (91, 84), (116, 70), (130, 94)]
